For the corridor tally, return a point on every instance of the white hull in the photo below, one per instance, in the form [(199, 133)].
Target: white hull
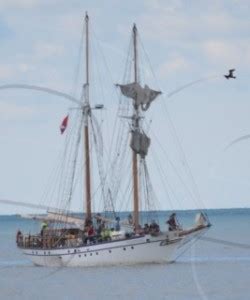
[(138, 250), (130, 251)]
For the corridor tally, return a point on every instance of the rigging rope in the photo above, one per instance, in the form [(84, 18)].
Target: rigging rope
[(98, 143), (192, 196), (226, 243), (165, 184), (176, 138)]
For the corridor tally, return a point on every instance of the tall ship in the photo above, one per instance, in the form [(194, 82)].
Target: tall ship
[(108, 237)]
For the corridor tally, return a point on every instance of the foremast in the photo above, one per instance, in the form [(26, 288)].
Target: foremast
[(86, 115)]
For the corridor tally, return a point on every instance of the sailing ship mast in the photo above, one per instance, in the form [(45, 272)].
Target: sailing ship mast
[(86, 114), (142, 98), (135, 128)]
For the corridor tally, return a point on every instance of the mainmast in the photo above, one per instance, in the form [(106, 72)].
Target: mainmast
[(86, 113), (142, 98), (135, 128)]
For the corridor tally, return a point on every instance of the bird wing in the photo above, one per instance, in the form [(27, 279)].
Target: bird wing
[(231, 71)]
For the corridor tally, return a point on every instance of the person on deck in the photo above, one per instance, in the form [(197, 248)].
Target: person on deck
[(91, 233), (172, 222), (98, 219), (130, 219), (154, 228), (44, 227), (146, 228), (19, 238), (106, 234), (117, 224), (100, 228), (44, 234)]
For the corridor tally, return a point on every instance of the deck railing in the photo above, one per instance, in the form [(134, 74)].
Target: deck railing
[(48, 242)]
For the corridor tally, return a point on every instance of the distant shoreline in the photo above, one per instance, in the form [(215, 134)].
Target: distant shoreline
[(159, 211)]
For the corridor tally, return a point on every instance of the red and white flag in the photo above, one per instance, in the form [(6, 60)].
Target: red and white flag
[(64, 124)]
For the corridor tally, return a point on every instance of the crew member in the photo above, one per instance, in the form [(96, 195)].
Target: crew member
[(172, 222)]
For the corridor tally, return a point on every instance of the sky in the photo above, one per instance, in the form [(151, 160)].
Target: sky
[(184, 40)]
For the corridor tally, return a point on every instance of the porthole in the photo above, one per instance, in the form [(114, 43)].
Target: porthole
[(75, 250), (79, 255), (68, 251), (110, 251), (132, 247), (85, 254), (90, 254), (97, 253), (124, 249)]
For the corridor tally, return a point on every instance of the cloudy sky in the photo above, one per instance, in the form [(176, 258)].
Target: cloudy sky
[(185, 40)]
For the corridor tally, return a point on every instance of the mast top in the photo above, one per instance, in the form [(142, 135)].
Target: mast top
[(135, 53), (134, 28), (87, 57)]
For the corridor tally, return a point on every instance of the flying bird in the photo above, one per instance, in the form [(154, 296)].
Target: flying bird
[(230, 75)]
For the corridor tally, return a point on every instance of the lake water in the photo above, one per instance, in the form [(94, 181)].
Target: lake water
[(207, 271)]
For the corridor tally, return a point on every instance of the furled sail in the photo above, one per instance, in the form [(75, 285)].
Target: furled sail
[(58, 218), (140, 143), (142, 96)]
